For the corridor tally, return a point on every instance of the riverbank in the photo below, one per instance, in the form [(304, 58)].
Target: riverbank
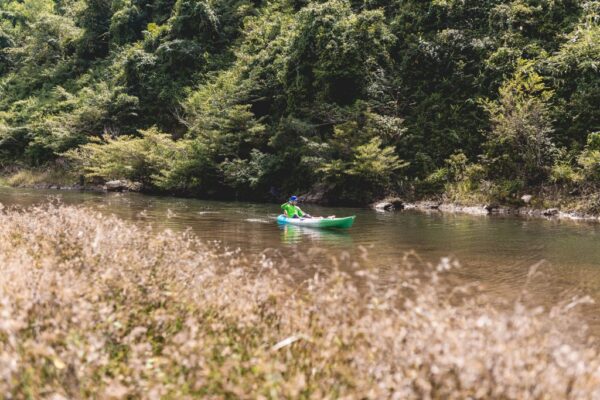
[(57, 179), (61, 179), (397, 204), (97, 307)]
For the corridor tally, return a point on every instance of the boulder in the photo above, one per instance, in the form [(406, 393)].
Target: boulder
[(476, 210), (551, 212), (115, 186), (429, 205), (388, 204), (134, 186), (120, 185), (455, 208), (491, 208), (532, 212), (503, 210)]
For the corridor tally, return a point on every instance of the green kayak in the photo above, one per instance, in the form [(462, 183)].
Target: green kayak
[(318, 222)]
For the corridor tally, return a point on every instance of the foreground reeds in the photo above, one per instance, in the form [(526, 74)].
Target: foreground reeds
[(91, 306)]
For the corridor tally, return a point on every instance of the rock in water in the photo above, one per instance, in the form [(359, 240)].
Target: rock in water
[(550, 212), (120, 185), (389, 205), (115, 186)]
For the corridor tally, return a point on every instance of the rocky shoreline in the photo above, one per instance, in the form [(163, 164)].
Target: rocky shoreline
[(396, 204), (110, 186), (389, 204)]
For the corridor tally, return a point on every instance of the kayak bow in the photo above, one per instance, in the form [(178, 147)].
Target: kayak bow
[(320, 222)]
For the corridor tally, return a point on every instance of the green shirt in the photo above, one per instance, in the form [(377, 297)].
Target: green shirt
[(292, 210)]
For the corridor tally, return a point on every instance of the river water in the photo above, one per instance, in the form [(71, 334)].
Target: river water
[(493, 250)]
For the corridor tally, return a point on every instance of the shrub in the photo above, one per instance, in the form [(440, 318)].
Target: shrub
[(249, 173), (457, 165), (375, 163), (148, 159), (366, 171), (589, 159), (564, 173), (505, 190), (459, 180), (435, 182), (593, 141)]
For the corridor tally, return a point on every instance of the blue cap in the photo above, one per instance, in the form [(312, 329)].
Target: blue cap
[(293, 198)]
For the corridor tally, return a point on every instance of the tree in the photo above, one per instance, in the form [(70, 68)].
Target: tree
[(333, 53), (519, 144), (94, 18), (357, 163), (574, 71), (6, 42)]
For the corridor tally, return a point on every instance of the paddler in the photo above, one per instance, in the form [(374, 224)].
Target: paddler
[(291, 210)]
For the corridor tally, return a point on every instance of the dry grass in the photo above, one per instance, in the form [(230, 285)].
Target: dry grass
[(33, 177), (95, 307)]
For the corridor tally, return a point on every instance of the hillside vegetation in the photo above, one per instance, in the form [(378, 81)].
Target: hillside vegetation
[(478, 100)]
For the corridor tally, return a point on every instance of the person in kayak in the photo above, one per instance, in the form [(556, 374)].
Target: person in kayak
[(291, 210)]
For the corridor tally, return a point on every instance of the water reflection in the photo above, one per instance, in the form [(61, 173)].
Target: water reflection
[(293, 235)]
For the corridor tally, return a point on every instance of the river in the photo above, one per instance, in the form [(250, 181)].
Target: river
[(497, 251)]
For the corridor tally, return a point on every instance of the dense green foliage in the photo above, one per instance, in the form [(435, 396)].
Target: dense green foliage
[(263, 98)]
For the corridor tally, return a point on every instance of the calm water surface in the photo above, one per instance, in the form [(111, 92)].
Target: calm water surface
[(496, 251)]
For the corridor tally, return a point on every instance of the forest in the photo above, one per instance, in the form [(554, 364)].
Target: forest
[(466, 100)]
